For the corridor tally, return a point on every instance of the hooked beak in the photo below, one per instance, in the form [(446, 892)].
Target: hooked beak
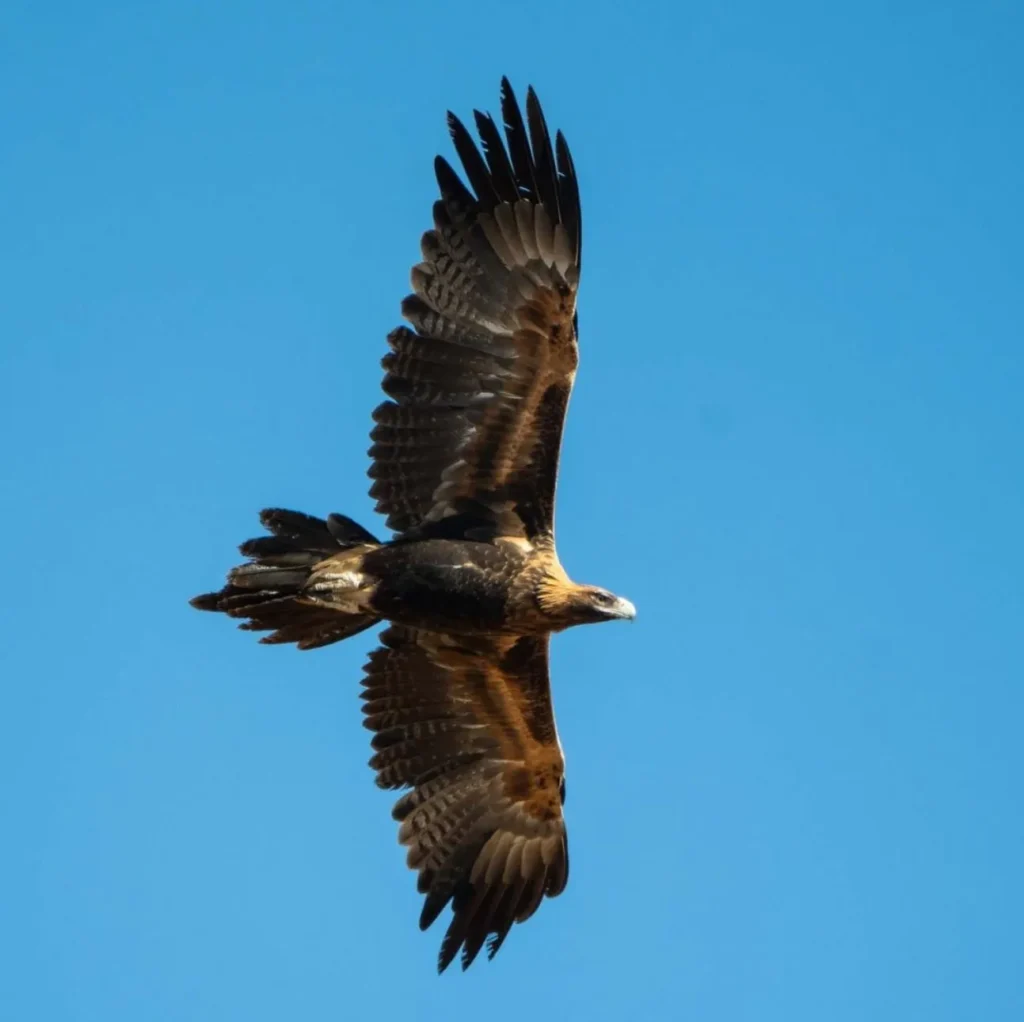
[(623, 609)]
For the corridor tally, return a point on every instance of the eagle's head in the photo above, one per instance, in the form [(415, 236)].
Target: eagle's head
[(591, 604)]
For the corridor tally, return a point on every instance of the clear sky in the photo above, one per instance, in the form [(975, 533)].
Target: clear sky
[(794, 783)]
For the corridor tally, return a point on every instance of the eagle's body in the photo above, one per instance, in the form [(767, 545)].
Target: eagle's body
[(459, 586), (465, 458)]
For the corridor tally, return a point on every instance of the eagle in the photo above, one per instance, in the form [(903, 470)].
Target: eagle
[(464, 463)]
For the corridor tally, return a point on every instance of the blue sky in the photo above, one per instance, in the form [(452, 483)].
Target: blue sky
[(796, 444)]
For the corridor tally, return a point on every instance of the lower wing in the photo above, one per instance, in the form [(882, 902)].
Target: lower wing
[(467, 723)]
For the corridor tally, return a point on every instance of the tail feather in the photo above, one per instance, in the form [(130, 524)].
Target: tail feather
[(270, 590)]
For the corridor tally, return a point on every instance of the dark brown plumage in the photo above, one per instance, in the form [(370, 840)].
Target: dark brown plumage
[(465, 458), (483, 823)]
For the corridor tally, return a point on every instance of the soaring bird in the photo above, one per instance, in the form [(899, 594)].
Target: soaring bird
[(465, 457)]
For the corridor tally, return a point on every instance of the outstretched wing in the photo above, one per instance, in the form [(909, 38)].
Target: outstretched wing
[(468, 724), (480, 387)]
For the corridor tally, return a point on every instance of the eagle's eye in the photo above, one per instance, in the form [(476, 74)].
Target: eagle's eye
[(605, 605)]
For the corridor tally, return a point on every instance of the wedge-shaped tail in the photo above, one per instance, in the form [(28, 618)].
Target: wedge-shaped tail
[(276, 589)]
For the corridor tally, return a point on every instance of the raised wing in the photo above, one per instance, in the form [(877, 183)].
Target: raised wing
[(468, 724), (480, 387)]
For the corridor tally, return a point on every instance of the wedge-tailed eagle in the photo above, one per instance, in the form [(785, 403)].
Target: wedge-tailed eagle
[(465, 456)]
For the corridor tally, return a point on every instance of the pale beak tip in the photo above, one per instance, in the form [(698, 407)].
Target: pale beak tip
[(626, 610)]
